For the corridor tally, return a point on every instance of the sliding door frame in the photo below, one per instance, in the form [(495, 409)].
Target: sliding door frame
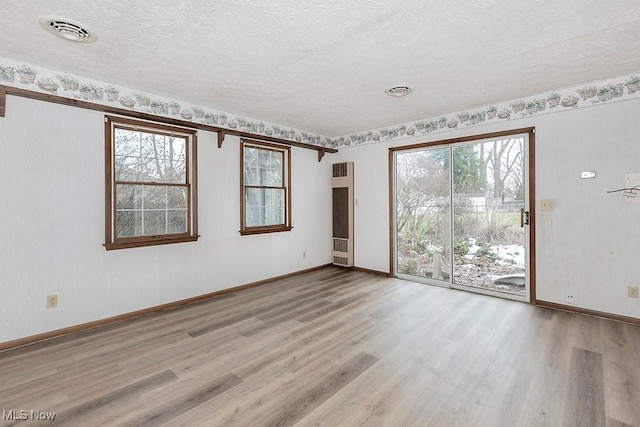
[(531, 200)]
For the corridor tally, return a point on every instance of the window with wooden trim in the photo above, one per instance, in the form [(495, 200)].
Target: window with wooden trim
[(266, 187), (151, 185)]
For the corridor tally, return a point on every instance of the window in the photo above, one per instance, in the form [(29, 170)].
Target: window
[(266, 188), (151, 196)]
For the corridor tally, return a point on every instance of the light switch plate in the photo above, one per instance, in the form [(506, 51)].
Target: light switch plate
[(548, 204), (587, 174)]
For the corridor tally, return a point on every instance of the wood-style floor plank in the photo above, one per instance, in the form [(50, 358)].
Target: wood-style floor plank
[(172, 408), (585, 404), (335, 347)]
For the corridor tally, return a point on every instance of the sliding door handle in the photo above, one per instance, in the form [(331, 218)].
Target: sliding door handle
[(524, 217)]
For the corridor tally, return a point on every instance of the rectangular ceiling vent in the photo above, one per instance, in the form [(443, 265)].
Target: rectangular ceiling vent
[(343, 214)]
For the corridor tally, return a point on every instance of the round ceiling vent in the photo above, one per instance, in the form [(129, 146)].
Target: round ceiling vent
[(399, 91), (68, 30)]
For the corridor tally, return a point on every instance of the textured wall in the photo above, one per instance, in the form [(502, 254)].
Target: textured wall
[(589, 244), (52, 226)]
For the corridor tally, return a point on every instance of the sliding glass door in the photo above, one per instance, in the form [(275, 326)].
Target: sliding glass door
[(461, 215), (423, 215)]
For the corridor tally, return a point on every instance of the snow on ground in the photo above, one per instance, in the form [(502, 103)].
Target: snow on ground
[(510, 254)]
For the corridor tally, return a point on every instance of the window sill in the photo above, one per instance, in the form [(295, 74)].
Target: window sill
[(264, 230), (149, 242)]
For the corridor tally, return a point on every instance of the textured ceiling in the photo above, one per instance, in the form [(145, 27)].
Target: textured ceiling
[(323, 66)]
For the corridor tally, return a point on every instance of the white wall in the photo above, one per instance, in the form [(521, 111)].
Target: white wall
[(589, 244), (52, 226)]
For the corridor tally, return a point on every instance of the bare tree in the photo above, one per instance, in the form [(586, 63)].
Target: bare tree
[(421, 188), (505, 160)]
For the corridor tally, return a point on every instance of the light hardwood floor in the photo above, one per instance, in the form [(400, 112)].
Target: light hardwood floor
[(335, 348)]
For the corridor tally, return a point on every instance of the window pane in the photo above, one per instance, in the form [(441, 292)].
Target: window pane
[(155, 197), (252, 218), (264, 206), (177, 221), (274, 215), (264, 157), (253, 197), (129, 197), (127, 168), (175, 148), (148, 157), (175, 171), (151, 161), (155, 222), (251, 166), (127, 142), (128, 223), (274, 171), (150, 170), (148, 146), (251, 177), (173, 158), (150, 210), (270, 168), (177, 197)]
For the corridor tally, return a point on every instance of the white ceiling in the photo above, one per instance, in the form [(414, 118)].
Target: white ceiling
[(323, 66)]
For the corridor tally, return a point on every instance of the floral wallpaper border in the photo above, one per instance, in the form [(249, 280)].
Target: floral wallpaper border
[(621, 88), (40, 79)]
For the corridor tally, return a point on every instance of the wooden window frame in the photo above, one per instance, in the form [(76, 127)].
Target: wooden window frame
[(286, 179), (112, 241)]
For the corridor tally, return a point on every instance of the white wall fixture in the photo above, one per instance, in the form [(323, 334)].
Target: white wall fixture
[(342, 184), (399, 91), (68, 29)]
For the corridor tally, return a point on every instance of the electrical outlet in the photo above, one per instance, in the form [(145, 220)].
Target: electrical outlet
[(571, 298), (304, 254), (52, 301), (632, 291)]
